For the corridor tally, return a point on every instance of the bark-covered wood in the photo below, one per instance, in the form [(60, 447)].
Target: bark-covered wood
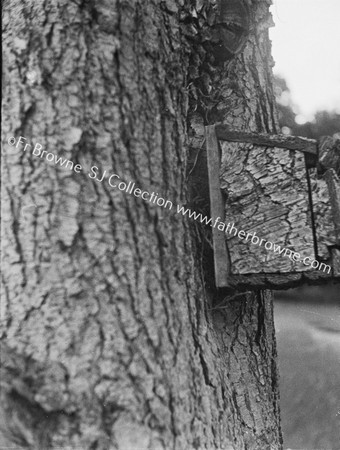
[(333, 183), (326, 200), (266, 194), (323, 207), (296, 143), (329, 154), (133, 349), (326, 206), (240, 265), (268, 188)]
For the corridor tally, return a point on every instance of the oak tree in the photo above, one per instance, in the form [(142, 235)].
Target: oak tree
[(114, 335)]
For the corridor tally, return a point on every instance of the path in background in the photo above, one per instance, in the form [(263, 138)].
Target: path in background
[(307, 324)]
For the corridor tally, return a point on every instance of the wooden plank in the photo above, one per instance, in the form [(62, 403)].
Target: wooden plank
[(333, 183), (335, 262), (325, 231), (305, 145), (266, 192), (278, 281), (221, 256)]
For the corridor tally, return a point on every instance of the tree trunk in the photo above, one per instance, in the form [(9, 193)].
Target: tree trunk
[(114, 336)]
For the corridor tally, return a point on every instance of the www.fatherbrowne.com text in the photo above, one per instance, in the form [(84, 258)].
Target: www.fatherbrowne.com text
[(153, 197), (253, 238)]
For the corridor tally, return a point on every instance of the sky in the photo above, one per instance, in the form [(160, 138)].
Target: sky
[(306, 50)]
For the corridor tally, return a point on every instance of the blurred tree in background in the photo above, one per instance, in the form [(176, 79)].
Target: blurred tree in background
[(324, 122)]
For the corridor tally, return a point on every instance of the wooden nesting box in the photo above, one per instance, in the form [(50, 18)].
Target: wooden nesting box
[(275, 223)]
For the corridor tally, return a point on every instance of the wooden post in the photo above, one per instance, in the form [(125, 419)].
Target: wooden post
[(221, 256)]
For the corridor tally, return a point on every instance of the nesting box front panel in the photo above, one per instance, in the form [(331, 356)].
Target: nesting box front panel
[(266, 193)]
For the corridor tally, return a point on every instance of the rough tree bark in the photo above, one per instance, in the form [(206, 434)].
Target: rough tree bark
[(131, 349)]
